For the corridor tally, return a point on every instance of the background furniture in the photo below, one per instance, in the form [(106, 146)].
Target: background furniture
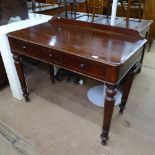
[(3, 77), (13, 8), (73, 7), (128, 9), (45, 8), (95, 5), (130, 5)]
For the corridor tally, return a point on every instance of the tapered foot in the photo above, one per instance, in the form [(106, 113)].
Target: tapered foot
[(139, 71), (122, 107), (104, 142), (52, 80), (26, 96), (51, 71), (27, 99), (121, 112), (104, 137)]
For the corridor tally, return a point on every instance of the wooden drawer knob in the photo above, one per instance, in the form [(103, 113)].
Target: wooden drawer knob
[(82, 65), (24, 47), (50, 55)]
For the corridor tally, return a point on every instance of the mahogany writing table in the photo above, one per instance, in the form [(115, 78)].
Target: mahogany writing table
[(108, 54)]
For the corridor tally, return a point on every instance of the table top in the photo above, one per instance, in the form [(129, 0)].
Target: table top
[(103, 43)]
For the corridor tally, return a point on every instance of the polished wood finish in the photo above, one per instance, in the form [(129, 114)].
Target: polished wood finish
[(13, 8), (104, 53), (142, 27), (3, 77), (108, 111), (19, 68)]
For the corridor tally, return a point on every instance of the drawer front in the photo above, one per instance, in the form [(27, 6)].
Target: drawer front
[(36, 51), (86, 67), (54, 57), (28, 49)]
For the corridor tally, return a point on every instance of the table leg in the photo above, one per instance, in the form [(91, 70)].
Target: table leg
[(126, 88), (51, 71), (108, 111), (19, 68), (150, 45)]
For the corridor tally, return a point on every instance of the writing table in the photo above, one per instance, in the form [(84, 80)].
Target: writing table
[(108, 54)]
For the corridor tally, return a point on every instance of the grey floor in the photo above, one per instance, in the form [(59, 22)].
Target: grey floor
[(60, 120)]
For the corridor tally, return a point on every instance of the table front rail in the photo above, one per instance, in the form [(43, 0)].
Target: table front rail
[(87, 67)]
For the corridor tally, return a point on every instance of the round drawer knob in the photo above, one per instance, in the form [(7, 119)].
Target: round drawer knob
[(24, 47), (82, 65), (50, 55)]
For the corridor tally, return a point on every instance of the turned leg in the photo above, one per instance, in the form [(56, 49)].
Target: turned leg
[(51, 71), (126, 88), (19, 68), (108, 111), (150, 45)]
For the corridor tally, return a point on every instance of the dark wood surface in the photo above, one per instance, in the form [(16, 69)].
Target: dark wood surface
[(98, 51), (142, 26), (13, 8), (3, 77)]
